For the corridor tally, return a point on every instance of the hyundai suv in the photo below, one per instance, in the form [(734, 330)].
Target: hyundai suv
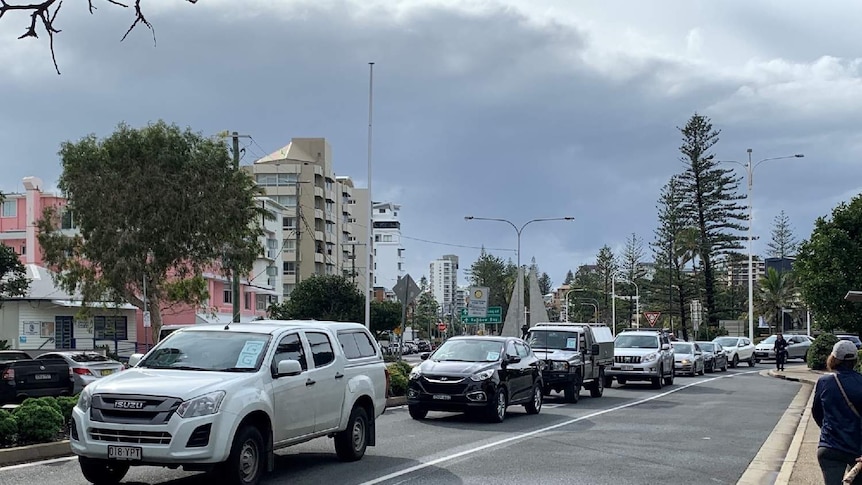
[(642, 355)]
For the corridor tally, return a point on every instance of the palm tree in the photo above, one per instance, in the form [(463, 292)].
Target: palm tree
[(777, 291)]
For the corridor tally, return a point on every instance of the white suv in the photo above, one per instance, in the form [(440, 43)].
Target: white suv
[(739, 349), (642, 355)]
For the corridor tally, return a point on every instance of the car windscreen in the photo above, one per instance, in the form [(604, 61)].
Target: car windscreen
[(223, 351), (727, 341), (89, 358), (636, 342), (682, 348), (769, 340), (469, 350), (552, 339), (707, 347)]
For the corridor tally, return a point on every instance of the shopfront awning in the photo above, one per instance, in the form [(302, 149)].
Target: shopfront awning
[(94, 305)]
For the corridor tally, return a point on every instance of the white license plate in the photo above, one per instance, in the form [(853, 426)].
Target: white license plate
[(107, 372), (43, 377), (442, 397), (628, 367), (124, 452)]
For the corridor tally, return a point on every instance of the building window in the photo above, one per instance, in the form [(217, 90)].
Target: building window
[(377, 238), (275, 180), (23, 250), (289, 267), (227, 296), (260, 302), (288, 222), (10, 208), (387, 238), (290, 244), (247, 300), (285, 200), (110, 328), (67, 221), (287, 289)]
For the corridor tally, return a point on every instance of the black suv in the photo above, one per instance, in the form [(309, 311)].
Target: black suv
[(485, 374)]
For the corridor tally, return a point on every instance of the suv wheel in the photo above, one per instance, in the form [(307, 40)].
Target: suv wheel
[(535, 404), (598, 386), (350, 444), (668, 381), (102, 472), (497, 410), (246, 462), (417, 412), (735, 362), (751, 361), (657, 381)]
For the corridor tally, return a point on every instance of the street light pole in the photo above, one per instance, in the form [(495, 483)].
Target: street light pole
[(637, 297), (749, 169), (596, 314), (519, 281)]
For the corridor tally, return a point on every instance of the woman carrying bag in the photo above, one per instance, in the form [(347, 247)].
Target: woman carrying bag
[(837, 403)]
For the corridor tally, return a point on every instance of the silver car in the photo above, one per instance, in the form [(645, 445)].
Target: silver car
[(687, 358), (85, 366), (797, 347)]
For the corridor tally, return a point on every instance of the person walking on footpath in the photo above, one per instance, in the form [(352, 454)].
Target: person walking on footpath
[(780, 349), (836, 408)]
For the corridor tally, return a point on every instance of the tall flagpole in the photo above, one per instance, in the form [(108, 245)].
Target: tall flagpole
[(369, 263)]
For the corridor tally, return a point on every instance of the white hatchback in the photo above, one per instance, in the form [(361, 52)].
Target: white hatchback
[(739, 349)]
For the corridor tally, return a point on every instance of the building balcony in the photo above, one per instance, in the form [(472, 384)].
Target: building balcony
[(318, 236), (318, 191), (318, 213), (288, 279), (318, 170), (319, 258)]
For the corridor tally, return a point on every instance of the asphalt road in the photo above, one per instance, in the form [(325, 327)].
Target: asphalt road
[(703, 429)]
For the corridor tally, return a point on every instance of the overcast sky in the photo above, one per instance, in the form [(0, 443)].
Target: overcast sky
[(517, 109)]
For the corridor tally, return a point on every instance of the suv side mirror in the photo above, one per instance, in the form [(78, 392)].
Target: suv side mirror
[(594, 349), (512, 359)]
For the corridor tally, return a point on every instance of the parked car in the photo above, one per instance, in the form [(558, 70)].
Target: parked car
[(797, 346), (852, 338), (714, 356), (482, 374), (739, 349), (574, 355), (21, 377), (643, 355), (86, 366), (223, 398), (687, 358)]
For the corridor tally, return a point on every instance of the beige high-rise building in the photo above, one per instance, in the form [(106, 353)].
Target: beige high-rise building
[(318, 217)]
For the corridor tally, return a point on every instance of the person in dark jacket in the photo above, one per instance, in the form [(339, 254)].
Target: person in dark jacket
[(840, 425), (780, 349)]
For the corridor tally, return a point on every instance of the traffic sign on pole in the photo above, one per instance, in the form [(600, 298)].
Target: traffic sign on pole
[(441, 327), (493, 317), (652, 317)]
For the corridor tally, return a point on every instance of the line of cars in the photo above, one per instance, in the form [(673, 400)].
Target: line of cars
[(58, 373)]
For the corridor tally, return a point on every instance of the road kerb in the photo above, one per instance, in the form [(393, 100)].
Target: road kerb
[(30, 453), (795, 445), (766, 466)]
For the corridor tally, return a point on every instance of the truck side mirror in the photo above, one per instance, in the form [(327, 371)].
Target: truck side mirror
[(594, 349), (134, 359)]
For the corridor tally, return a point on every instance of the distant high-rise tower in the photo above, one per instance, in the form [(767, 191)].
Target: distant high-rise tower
[(443, 281)]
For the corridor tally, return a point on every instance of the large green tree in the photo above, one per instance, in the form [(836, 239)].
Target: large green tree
[(426, 314), (495, 274), (323, 297), (607, 267), (385, 317), (160, 205), (631, 266), (827, 266), (711, 203), (783, 243), (776, 292)]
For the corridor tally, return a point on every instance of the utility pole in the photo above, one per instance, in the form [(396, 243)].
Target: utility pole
[(234, 270), (299, 221)]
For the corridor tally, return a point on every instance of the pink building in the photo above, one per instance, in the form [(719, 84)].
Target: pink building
[(18, 216)]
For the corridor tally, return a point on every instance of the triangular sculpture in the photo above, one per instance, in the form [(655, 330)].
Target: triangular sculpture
[(538, 312), (515, 315)]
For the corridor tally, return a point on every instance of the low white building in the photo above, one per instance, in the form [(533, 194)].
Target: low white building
[(388, 250), (47, 319)]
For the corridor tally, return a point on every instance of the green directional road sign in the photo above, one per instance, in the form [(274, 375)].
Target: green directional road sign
[(494, 316)]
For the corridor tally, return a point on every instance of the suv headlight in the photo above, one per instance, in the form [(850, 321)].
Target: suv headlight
[(201, 405), (415, 373), (85, 400), (649, 357), (558, 365), (481, 376)]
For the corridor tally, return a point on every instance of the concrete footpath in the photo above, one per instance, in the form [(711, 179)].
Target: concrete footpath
[(789, 455)]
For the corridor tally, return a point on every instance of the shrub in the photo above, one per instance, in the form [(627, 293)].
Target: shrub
[(404, 366), (67, 403), (41, 401), (820, 350), (859, 361), (397, 380), (38, 423), (8, 428)]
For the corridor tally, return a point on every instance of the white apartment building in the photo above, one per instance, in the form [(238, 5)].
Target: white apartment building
[(388, 250), (443, 281), (266, 277), (318, 210)]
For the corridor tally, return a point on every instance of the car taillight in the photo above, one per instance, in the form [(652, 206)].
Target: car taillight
[(9, 375), (81, 371)]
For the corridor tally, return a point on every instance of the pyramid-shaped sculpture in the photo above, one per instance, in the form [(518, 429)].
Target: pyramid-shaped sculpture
[(538, 312), (515, 315)]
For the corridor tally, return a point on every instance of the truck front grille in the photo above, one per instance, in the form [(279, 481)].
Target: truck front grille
[(128, 436), (627, 359), (133, 409)]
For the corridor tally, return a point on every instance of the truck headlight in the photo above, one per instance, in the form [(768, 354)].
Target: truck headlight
[(559, 365), (649, 357), (415, 373), (201, 405), (481, 376), (85, 400)]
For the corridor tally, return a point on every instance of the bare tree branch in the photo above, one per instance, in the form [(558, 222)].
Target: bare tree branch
[(41, 12)]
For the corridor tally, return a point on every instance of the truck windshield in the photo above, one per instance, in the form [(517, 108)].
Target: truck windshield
[(636, 342), (209, 351), (551, 339)]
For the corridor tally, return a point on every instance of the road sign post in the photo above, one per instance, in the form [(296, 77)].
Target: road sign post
[(477, 302), (405, 290), (652, 317)]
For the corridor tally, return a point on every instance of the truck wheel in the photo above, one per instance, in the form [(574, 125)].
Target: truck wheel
[(245, 464), (572, 391), (598, 387), (497, 410), (535, 404), (350, 444), (102, 472), (417, 412)]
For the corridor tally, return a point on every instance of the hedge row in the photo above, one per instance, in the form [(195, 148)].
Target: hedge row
[(36, 420)]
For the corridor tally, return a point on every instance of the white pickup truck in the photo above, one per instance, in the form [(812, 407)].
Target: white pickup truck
[(222, 398)]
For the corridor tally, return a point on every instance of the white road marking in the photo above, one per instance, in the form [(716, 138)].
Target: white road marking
[(529, 434), (36, 463)]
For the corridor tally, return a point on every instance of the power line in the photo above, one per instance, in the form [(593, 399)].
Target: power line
[(457, 245)]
